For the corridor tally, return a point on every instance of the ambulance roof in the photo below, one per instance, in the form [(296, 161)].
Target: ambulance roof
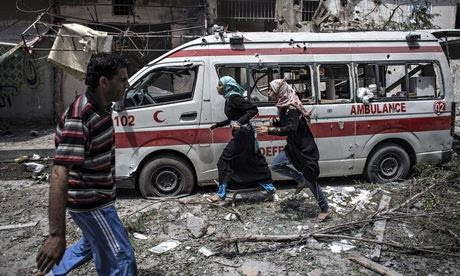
[(296, 37), (315, 37)]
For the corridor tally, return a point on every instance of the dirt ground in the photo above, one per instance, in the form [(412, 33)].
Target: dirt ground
[(24, 200), (422, 238)]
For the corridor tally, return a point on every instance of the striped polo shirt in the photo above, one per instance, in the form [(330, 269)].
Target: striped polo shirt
[(85, 140)]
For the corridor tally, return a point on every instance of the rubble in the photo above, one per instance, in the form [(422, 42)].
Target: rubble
[(291, 243)]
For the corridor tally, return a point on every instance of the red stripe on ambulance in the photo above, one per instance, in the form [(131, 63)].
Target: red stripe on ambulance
[(307, 51), (320, 130)]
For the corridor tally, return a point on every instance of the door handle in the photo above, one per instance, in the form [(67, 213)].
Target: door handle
[(188, 116)]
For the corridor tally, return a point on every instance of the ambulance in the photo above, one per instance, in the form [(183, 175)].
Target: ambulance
[(380, 103)]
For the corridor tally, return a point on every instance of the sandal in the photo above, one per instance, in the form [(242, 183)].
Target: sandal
[(214, 198), (323, 215)]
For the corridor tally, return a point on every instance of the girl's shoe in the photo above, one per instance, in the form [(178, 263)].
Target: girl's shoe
[(214, 198), (323, 215)]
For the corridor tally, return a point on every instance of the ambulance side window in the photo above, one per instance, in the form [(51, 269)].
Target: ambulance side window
[(163, 85), (424, 81), (390, 82), (300, 78), (297, 75), (334, 83)]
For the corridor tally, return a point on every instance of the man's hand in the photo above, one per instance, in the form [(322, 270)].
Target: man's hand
[(54, 247), (214, 126), (51, 253), (261, 129)]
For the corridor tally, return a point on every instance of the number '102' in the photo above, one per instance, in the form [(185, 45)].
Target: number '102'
[(124, 120)]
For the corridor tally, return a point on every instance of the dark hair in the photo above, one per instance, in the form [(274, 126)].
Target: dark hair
[(103, 65)]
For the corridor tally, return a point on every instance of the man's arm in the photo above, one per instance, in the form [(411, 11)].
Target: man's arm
[(54, 247)]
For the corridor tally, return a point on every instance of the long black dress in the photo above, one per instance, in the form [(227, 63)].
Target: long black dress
[(301, 148), (240, 163)]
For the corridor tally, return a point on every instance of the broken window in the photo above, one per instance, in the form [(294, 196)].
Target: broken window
[(122, 7), (308, 9), (400, 81), (259, 81), (298, 76), (163, 85), (424, 81), (334, 83), (238, 73)]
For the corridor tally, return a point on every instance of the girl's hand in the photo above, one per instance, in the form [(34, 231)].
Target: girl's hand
[(272, 121), (235, 125), (261, 129)]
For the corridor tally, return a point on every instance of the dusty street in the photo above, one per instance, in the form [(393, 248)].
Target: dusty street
[(422, 237)]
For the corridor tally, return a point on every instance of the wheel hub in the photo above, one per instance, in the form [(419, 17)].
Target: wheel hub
[(389, 166), (166, 180)]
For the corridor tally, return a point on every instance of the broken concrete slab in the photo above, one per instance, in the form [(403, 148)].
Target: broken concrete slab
[(197, 226)]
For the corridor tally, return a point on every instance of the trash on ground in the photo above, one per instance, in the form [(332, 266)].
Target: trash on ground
[(139, 236), (35, 157), (343, 245), (164, 246), (34, 167), (21, 159)]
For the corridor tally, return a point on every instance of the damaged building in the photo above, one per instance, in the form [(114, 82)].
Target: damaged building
[(32, 89)]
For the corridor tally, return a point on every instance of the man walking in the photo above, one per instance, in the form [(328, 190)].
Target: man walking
[(83, 179)]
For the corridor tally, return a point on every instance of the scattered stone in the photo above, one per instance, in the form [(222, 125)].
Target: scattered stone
[(203, 250), (211, 230), (230, 217), (315, 272), (33, 133), (197, 226), (314, 244)]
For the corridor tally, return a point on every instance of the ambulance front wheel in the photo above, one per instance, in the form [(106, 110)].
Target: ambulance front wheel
[(389, 162), (166, 175)]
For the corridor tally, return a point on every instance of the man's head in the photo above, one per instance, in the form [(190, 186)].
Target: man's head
[(108, 74)]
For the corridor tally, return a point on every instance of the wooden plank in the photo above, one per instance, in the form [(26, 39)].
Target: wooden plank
[(379, 227), (380, 269)]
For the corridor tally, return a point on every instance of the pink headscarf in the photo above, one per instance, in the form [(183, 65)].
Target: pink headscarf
[(287, 96)]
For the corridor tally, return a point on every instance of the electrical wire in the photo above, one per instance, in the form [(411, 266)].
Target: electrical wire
[(29, 11), (10, 25)]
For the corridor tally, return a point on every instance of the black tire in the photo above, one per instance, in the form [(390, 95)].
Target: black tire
[(389, 162), (165, 176)]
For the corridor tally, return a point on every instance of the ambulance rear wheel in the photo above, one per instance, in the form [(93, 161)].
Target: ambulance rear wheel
[(389, 162), (166, 175)]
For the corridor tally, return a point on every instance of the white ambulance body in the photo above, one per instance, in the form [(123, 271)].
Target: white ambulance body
[(381, 103)]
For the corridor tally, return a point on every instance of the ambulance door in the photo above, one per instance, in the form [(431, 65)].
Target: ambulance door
[(332, 124), (161, 111)]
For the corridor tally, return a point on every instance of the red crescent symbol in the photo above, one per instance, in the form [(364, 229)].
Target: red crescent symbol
[(155, 116)]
